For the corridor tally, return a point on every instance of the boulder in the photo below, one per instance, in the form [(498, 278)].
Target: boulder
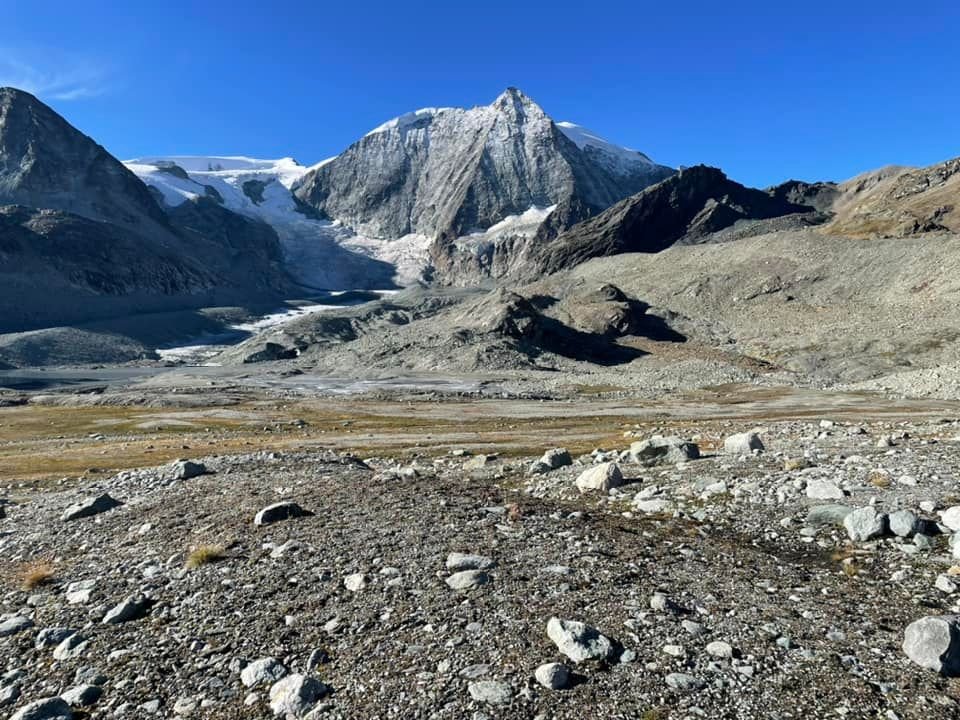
[(600, 477), (90, 507), (819, 489), (933, 642), (467, 580), (865, 524), (187, 469), (131, 608), (660, 450), (262, 672), (743, 443), (553, 676), (492, 692), (551, 460)]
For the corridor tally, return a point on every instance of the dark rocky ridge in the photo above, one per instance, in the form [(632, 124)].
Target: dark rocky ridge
[(683, 209), (81, 237)]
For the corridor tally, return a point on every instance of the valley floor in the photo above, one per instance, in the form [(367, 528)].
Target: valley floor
[(724, 592)]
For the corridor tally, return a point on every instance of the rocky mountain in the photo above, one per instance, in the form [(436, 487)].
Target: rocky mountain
[(692, 206), (897, 202), (82, 237), (470, 182)]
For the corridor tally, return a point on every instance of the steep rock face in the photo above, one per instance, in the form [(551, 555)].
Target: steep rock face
[(446, 174), (47, 163), (82, 238), (684, 208)]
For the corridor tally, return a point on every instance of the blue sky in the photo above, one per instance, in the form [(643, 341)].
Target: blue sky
[(765, 90)]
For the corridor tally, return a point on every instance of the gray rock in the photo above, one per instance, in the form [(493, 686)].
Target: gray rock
[(53, 708), (579, 642), (663, 450), (9, 694), (262, 672), (819, 489), (826, 515), (79, 593), (951, 518), (743, 443), (187, 469), (295, 695), (280, 511), (682, 681), (479, 462), (89, 676), (660, 602), (14, 625), (355, 582), (945, 584), (492, 692), (903, 523), (934, 643), (865, 524), (553, 676), (49, 637), (551, 460), (72, 647), (720, 649), (82, 695), (466, 561), (600, 477), (467, 579), (653, 505), (90, 507), (131, 608)]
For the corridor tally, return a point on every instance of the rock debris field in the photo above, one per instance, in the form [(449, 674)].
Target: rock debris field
[(793, 570)]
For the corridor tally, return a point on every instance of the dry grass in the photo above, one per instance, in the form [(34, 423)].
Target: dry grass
[(33, 574), (204, 555)]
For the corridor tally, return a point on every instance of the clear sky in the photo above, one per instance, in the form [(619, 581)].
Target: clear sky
[(765, 90)]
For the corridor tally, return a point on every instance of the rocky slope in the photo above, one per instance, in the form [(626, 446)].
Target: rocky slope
[(687, 208), (897, 202), (447, 176), (719, 573), (83, 237)]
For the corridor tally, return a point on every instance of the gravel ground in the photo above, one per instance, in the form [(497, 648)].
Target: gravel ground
[(719, 598)]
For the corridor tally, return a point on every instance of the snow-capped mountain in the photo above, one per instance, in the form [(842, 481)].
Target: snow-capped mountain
[(447, 186)]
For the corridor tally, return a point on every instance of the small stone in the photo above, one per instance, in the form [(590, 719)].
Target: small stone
[(90, 507), (463, 561), (682, 681), (951, 518), (743, 444), (660, 602), (819, 489), (600, 477), (467, 579), (553, 676), (945, 584), (50, 637), (262, 672), (280, 511), (296, 695), (492, 692), (71, 647), (579, 642), (933, 642), (132, 608), (82, 695), (694, 628), (826, 515), (14, 625), (53, 708), (355, 582), (865, 524), (903, 523), (720, 649), (78, 593), (89, 676), (9, 694)]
